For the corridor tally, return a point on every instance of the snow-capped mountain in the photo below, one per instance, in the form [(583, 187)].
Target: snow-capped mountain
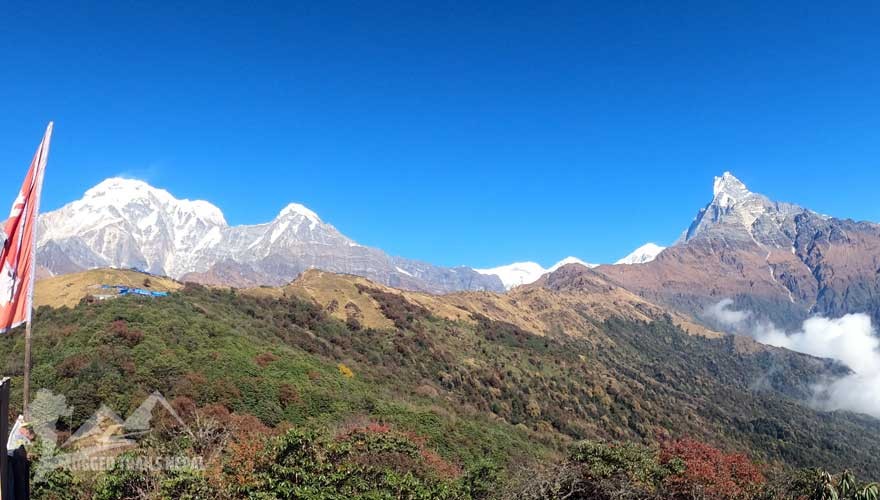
[(779, 260), (128, 223), (524, 273), (645, 253), (739, 215), (518, 273)]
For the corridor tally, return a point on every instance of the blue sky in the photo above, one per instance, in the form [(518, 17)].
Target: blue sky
[(454, 132)]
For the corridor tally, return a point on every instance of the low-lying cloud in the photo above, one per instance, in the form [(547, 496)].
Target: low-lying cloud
[(724, 313), (850, 339)]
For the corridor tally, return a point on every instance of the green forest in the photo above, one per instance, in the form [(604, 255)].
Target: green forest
[(280, 400)]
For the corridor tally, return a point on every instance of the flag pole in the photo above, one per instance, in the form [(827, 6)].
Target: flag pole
[(4, 432), (38, 188)]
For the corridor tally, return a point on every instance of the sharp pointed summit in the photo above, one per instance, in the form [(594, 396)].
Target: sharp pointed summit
[(298, 209), (737, 214), (730, 186)]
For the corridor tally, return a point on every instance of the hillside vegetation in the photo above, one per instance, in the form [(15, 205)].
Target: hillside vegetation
[(427, 405)]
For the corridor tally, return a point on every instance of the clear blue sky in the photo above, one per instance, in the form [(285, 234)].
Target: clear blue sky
[(454, 132)]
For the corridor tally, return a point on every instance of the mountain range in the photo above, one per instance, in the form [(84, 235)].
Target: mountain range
[(780, 260), (127, 223)]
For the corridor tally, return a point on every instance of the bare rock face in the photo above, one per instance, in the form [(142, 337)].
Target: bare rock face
[(782, 261), (129, 224)]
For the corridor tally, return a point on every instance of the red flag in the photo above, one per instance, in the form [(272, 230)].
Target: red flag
[(17, 237)]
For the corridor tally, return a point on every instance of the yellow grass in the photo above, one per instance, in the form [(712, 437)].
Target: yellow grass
[(69, 289), (533, 307)]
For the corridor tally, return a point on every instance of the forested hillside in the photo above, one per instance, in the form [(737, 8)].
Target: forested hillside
[(429, 404)]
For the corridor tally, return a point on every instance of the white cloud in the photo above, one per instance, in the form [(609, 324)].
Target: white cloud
[(723, 313), (151, 173), (851, 340)]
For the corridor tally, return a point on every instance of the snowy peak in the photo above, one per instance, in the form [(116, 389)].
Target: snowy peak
[(643, 254), (728, 187), (739, 216), (295, 209), (524, 273), (121, 186), (128, 223), (293, 216), (516, 274), (119, 192)]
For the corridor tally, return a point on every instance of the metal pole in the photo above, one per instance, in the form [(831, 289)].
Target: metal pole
[(4, 435), (27, 371)]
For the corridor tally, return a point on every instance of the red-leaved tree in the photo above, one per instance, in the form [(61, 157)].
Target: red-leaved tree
[(706, 472)]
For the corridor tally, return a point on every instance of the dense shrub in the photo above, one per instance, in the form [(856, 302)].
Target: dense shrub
[(708, 472), (685, 469), (395, 307)]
